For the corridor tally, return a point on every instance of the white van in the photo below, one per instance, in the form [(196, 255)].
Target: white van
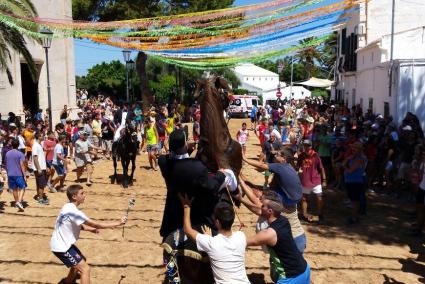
[(241, 105)]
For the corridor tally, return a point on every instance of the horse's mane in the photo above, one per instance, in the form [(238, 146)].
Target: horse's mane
[(213, 125)]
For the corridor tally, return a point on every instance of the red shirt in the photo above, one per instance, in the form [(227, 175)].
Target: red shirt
[(49, 146), (261, 130), (310, 165)]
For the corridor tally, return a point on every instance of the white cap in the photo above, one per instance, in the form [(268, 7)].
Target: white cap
[(407, 128)]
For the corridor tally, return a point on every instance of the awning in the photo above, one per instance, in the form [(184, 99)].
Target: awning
[(317, 83)]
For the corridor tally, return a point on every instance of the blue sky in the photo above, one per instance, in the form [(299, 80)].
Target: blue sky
[(88, 54)]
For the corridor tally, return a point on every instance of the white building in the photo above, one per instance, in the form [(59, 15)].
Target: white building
[(31, 94), (365, 72), (266, 83)]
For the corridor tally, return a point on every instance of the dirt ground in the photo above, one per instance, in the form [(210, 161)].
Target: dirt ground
[(376, 251)]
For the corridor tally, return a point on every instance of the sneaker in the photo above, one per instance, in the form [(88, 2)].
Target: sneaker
[(43, 201), (19, 206), (53, 190)]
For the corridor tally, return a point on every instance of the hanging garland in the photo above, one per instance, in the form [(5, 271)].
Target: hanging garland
[(208, 39), (230, 62)]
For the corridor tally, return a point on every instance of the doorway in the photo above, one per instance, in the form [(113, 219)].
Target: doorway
[(29, 89)]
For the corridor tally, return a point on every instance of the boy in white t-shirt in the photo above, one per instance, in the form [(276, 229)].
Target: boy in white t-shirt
[(58, 163), (226, 250), (67, 231)]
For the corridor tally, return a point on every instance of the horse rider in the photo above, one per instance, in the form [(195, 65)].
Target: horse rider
[(183, 174), (121, 117)]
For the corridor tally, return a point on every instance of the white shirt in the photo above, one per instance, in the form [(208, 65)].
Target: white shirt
[(58, 150), (21, 142), (227, 256), (67, 228), (38, 151)]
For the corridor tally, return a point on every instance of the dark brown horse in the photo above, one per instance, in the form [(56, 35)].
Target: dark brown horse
[(216, 148)]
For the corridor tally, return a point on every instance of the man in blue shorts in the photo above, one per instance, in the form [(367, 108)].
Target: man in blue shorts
[(67, 229), (59, 163), (15, 168)]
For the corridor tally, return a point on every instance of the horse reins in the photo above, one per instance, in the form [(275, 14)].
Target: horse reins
[(241, 225)]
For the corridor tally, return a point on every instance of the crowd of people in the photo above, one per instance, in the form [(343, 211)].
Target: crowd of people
[(355, 151), (29, 147), (303, 146)]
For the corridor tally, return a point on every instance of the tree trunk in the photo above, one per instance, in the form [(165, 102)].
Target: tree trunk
[(147, 97), (181, 84)]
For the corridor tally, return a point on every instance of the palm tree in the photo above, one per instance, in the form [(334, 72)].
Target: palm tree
[(308, 56), (11, 40)]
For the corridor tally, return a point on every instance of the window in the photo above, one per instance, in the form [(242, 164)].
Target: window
[(373, 55), (371, 103), (266, 78), (247, 78), (259, 79), (353, 97)]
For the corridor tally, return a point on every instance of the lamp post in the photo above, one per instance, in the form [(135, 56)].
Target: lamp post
[(47, 42), (131, 65), (126, 53)]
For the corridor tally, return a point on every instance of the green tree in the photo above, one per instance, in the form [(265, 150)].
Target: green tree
[(308, 56), (164, 88), (108, 78), (328, 56), (320, 92), (107, 10), (11, 39)]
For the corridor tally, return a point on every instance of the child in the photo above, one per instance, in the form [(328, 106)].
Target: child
[(226, 250), (242, 136), (67, 231)]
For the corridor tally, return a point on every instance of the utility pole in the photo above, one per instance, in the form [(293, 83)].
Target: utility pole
[(392, 49), (292, 76)]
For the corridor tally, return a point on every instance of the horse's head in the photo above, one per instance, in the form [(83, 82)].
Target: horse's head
[(213, 89), (131, 133)]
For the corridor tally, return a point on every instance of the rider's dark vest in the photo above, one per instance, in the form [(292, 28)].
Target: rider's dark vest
[(188, 176)]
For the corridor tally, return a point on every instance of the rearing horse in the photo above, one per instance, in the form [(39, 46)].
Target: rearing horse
[(216, 148)]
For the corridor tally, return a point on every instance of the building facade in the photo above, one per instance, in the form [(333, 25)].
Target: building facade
[(365, 74), (32, 94), (265, 83)]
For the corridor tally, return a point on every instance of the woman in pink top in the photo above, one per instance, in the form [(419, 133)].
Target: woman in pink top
[(242, 137)]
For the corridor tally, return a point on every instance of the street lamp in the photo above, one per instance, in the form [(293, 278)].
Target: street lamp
[(47, 42), (131, 65), (126, 53)]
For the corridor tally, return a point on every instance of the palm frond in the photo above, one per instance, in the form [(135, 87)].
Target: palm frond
[(11, 37), (18, 7)]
